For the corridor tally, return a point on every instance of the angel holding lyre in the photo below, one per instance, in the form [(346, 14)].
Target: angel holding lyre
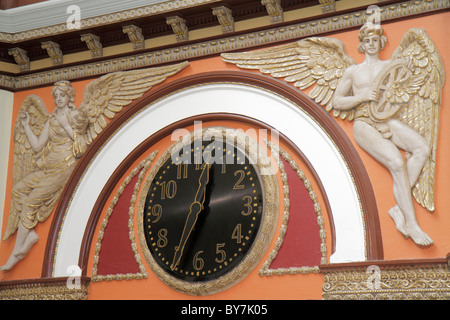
[(48, 146), (393, 103)]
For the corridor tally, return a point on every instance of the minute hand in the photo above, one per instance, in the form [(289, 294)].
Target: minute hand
[(195, 209)]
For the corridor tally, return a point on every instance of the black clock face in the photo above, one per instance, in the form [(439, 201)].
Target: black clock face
[(201, 218)]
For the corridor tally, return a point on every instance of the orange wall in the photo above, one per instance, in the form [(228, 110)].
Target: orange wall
[(289, 286)]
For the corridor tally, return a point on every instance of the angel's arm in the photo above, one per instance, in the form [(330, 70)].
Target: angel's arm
[(63, 119), (341, 99), (36, 142)]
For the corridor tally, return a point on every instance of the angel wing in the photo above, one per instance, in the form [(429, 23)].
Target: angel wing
[(104, 97), (25, 158), (422, 113), (317, 60), (24, 161)]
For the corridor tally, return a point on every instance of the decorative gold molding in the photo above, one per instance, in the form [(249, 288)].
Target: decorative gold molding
[(202, 48), (328, 5), (135, 35), (21, 58), (265, 269), (179, 28), (44, 289), (93, 43), (413, 281), (53, 51), (274, 10), (142, 168), (225, 18)]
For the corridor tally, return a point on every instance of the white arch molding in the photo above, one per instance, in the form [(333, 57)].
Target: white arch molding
[(241, 99)]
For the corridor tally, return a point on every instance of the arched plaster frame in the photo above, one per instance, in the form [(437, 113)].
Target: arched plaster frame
[(308, 126)]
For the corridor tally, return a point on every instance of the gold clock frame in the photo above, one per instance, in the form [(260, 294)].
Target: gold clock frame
[(263, 164)]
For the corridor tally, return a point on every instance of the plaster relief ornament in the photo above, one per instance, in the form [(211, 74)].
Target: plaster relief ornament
[(47, 146), (394, 104)]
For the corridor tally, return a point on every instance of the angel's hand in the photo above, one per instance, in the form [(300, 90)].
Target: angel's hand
[(369, 95), (62, 118), (25, 119)]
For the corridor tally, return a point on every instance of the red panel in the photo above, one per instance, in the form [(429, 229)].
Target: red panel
[(116, 256), (301, 245)]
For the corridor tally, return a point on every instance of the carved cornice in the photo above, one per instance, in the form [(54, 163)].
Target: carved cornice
[(225, 18), (285, 32), (106, 19), (21, 58), (274, 10), (388, 280), (179, 27), (93, 43), (328, 5), (135, 35), (53, 51)]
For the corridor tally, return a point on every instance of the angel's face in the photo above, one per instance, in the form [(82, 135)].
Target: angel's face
[(372, 44), (61, 98)]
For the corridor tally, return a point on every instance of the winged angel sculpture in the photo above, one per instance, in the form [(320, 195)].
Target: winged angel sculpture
[(47, 146), (394, 104)]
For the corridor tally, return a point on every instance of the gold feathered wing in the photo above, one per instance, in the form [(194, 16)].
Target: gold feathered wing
[(25, 158), (104, 97), (424, 103), (317, 60)]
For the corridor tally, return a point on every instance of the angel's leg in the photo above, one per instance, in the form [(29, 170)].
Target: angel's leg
[(30, 238), (25, 239), (28, 220), (386, 152), (20, 192), (383, 150), (411, 141)]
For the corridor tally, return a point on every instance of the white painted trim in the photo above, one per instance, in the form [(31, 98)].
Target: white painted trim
[(6, 110), (297, 125)]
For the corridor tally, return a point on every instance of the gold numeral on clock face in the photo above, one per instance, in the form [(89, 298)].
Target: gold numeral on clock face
[(221, 253), (238, 185), (162, 238), (157, 212), (168, 189), (247, 205), (182, 170), (198, 263), (237, 233)]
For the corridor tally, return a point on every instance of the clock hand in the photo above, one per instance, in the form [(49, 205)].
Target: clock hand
[(194, 210)]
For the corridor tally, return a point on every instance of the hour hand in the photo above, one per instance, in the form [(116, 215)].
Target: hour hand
[(202, 182), (194, 210)]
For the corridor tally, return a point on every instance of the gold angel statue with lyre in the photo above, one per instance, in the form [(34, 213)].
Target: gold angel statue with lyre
[(47, 146), (394, 104)]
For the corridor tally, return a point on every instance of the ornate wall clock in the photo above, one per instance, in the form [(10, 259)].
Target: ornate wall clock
[(208, 210)]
